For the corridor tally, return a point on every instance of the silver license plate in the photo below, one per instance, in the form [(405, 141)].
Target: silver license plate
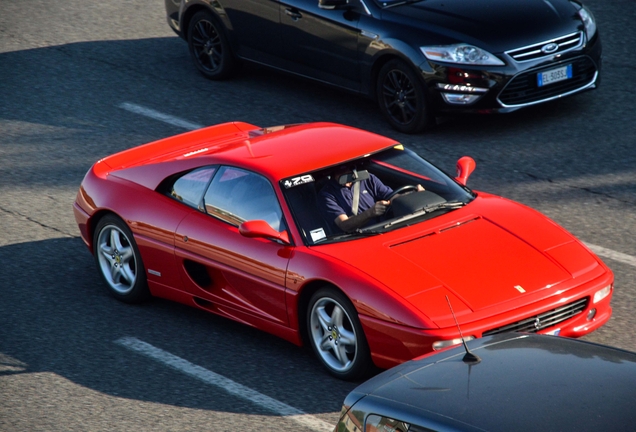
[(554, 75)]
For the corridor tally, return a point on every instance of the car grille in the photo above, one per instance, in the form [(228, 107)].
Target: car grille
[(523, 89), (559, 45), (544, 320)]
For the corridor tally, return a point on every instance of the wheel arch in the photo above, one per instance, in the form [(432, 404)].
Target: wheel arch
[(394, 47), (218, 13), (377, 65), (304, 297), (94, 221)]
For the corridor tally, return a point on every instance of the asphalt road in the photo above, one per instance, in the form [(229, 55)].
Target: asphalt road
[(66, 68)]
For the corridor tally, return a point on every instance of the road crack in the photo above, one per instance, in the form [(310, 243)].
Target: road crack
[(43, 225)]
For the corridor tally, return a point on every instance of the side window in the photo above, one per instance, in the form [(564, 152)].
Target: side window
[(236, 196), (189, 187)]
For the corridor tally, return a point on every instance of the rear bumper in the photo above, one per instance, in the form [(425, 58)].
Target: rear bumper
[(172, 15)]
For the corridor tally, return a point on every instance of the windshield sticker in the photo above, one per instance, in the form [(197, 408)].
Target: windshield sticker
[(317, 234), (297, 181)]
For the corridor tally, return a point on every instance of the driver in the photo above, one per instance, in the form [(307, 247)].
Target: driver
[(347, 209)]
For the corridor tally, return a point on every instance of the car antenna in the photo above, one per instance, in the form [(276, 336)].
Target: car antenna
[(469, 357)]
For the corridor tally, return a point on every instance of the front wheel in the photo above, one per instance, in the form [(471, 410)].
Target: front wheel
[(209, 46), (401, 98), (336, 335), (119, 261)]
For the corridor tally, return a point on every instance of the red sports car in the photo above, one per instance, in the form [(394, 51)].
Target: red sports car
[(236, 219)]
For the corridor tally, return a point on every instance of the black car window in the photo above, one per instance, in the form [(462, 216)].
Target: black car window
[(190, 186), (236, 195)]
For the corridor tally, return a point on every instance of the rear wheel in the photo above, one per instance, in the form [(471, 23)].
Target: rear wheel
[(209, 46), (401, 98), (119, 261), (336, 335)]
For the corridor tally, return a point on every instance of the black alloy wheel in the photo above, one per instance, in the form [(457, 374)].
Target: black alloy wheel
[(209, 47), (401, 98)]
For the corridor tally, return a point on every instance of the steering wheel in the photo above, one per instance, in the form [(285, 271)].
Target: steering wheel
[(398, 191), (401, 190)]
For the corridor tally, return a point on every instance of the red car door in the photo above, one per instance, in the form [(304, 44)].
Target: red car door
[(233, 273)]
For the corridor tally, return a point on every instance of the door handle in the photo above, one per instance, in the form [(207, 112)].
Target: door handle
[(294, 14)]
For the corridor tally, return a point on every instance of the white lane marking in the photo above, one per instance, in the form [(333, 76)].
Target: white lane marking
[(612, 254), (175, 121), (138, 109), (224, 383)]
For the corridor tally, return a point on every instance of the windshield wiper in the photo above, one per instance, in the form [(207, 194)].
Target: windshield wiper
[(448, 205)]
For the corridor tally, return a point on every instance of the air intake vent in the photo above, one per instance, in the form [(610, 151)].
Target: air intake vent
[(523, 88), (455, 225), (543, 321)]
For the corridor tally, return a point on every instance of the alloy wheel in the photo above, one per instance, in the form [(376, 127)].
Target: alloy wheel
[(333, 335), (116, 259)]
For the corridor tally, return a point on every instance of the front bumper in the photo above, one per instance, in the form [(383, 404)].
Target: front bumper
[(498, 89), (392, 344)]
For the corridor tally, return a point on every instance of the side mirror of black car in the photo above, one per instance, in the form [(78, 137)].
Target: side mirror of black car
[(332, 4)]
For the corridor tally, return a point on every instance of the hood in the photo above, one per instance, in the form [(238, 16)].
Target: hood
[(490, 252), (494, 25)]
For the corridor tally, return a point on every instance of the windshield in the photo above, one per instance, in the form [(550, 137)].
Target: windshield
[(394, 168)]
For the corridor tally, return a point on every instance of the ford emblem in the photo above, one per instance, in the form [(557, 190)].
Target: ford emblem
[(549, 48)]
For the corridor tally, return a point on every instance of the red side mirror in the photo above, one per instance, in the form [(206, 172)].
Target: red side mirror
[(465, 166), (261, 229)]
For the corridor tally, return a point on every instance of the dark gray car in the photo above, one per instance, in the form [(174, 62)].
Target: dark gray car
[(521, 382)]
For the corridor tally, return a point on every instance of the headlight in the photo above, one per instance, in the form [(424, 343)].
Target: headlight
[(460, 54), (588, 22), (601, 294)]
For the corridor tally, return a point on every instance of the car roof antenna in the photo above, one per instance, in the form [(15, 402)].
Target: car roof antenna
[(469, 357)]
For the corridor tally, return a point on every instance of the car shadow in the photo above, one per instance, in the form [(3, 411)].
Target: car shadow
[(57, 317)]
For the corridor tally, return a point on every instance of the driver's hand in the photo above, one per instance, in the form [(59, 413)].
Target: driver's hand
[(420, 188), (379, 208)]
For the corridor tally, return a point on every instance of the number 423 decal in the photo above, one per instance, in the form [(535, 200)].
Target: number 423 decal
[(297, 181)]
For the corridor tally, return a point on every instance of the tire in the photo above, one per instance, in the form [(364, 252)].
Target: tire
[(402, 99), (118, 260), (209, 46), (336, 336)]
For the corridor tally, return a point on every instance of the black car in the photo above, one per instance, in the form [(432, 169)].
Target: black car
[(417, 58), (517, 382)]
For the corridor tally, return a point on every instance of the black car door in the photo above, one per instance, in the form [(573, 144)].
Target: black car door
[(321, 43), (256, 28)]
